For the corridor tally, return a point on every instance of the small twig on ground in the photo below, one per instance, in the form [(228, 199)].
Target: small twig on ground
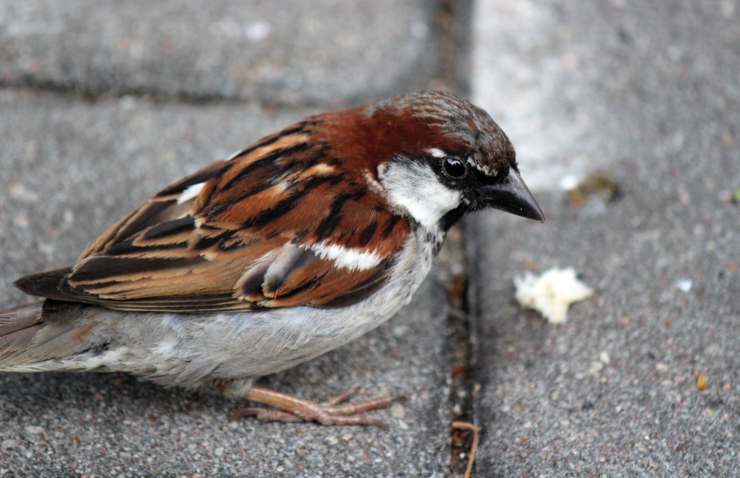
[(473, 446)]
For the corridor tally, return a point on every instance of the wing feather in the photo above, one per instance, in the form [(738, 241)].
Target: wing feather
[(242, 234)]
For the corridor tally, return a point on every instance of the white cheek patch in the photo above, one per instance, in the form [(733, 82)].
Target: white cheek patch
[(189, 193), (415, 188), (344, 257)]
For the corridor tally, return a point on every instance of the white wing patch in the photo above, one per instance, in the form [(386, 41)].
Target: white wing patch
[(189, 193), (345, 257)]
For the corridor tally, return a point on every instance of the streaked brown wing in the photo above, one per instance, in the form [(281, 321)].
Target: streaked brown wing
[(241, 234)]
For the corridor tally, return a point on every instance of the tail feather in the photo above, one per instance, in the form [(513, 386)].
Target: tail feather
[(17, 328), (39, 337), (20, 317)]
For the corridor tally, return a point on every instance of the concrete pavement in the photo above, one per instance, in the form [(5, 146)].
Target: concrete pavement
[(645, 92), (321, 52)]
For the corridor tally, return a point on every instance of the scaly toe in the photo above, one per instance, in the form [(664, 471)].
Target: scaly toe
[(344, 396)]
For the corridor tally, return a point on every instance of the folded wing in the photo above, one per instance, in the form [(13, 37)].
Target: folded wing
[(281, 224)]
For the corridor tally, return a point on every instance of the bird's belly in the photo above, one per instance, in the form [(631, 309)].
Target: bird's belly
[(262, 343), (187, 350)]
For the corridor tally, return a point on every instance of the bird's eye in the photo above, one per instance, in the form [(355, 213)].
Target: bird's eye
[(455, 168)]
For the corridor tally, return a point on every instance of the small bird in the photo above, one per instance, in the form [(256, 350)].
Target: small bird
[(290, 248)]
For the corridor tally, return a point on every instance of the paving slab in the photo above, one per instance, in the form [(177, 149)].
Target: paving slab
[(68, 169), (647, 93), (287, 52)]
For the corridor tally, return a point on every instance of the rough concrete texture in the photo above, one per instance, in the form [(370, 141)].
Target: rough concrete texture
[(68, 169), (289, 52), (648, 92)]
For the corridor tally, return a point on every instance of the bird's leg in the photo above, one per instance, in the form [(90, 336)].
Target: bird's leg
[(286, 408)]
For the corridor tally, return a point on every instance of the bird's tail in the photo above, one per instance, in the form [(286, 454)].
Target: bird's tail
[(17, 328), (34, 337)]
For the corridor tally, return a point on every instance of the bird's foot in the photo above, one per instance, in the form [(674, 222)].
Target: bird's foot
[(334, 412)]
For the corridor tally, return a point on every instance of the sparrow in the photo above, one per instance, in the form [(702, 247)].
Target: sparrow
[(290, 248)]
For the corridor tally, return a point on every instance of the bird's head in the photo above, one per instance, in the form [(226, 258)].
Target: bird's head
[(435, 156)]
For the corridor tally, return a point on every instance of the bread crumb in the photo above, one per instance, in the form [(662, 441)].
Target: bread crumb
[(684, 285), (701, 382), (551, 293)]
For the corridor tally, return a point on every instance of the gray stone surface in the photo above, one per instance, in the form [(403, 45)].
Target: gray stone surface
[(648, 92), (291, 51), (69, 168)]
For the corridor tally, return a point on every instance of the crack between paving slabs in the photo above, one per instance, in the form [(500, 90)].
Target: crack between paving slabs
[(451, 27)]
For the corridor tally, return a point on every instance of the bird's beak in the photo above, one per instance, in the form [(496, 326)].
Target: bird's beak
[(512, 195)]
